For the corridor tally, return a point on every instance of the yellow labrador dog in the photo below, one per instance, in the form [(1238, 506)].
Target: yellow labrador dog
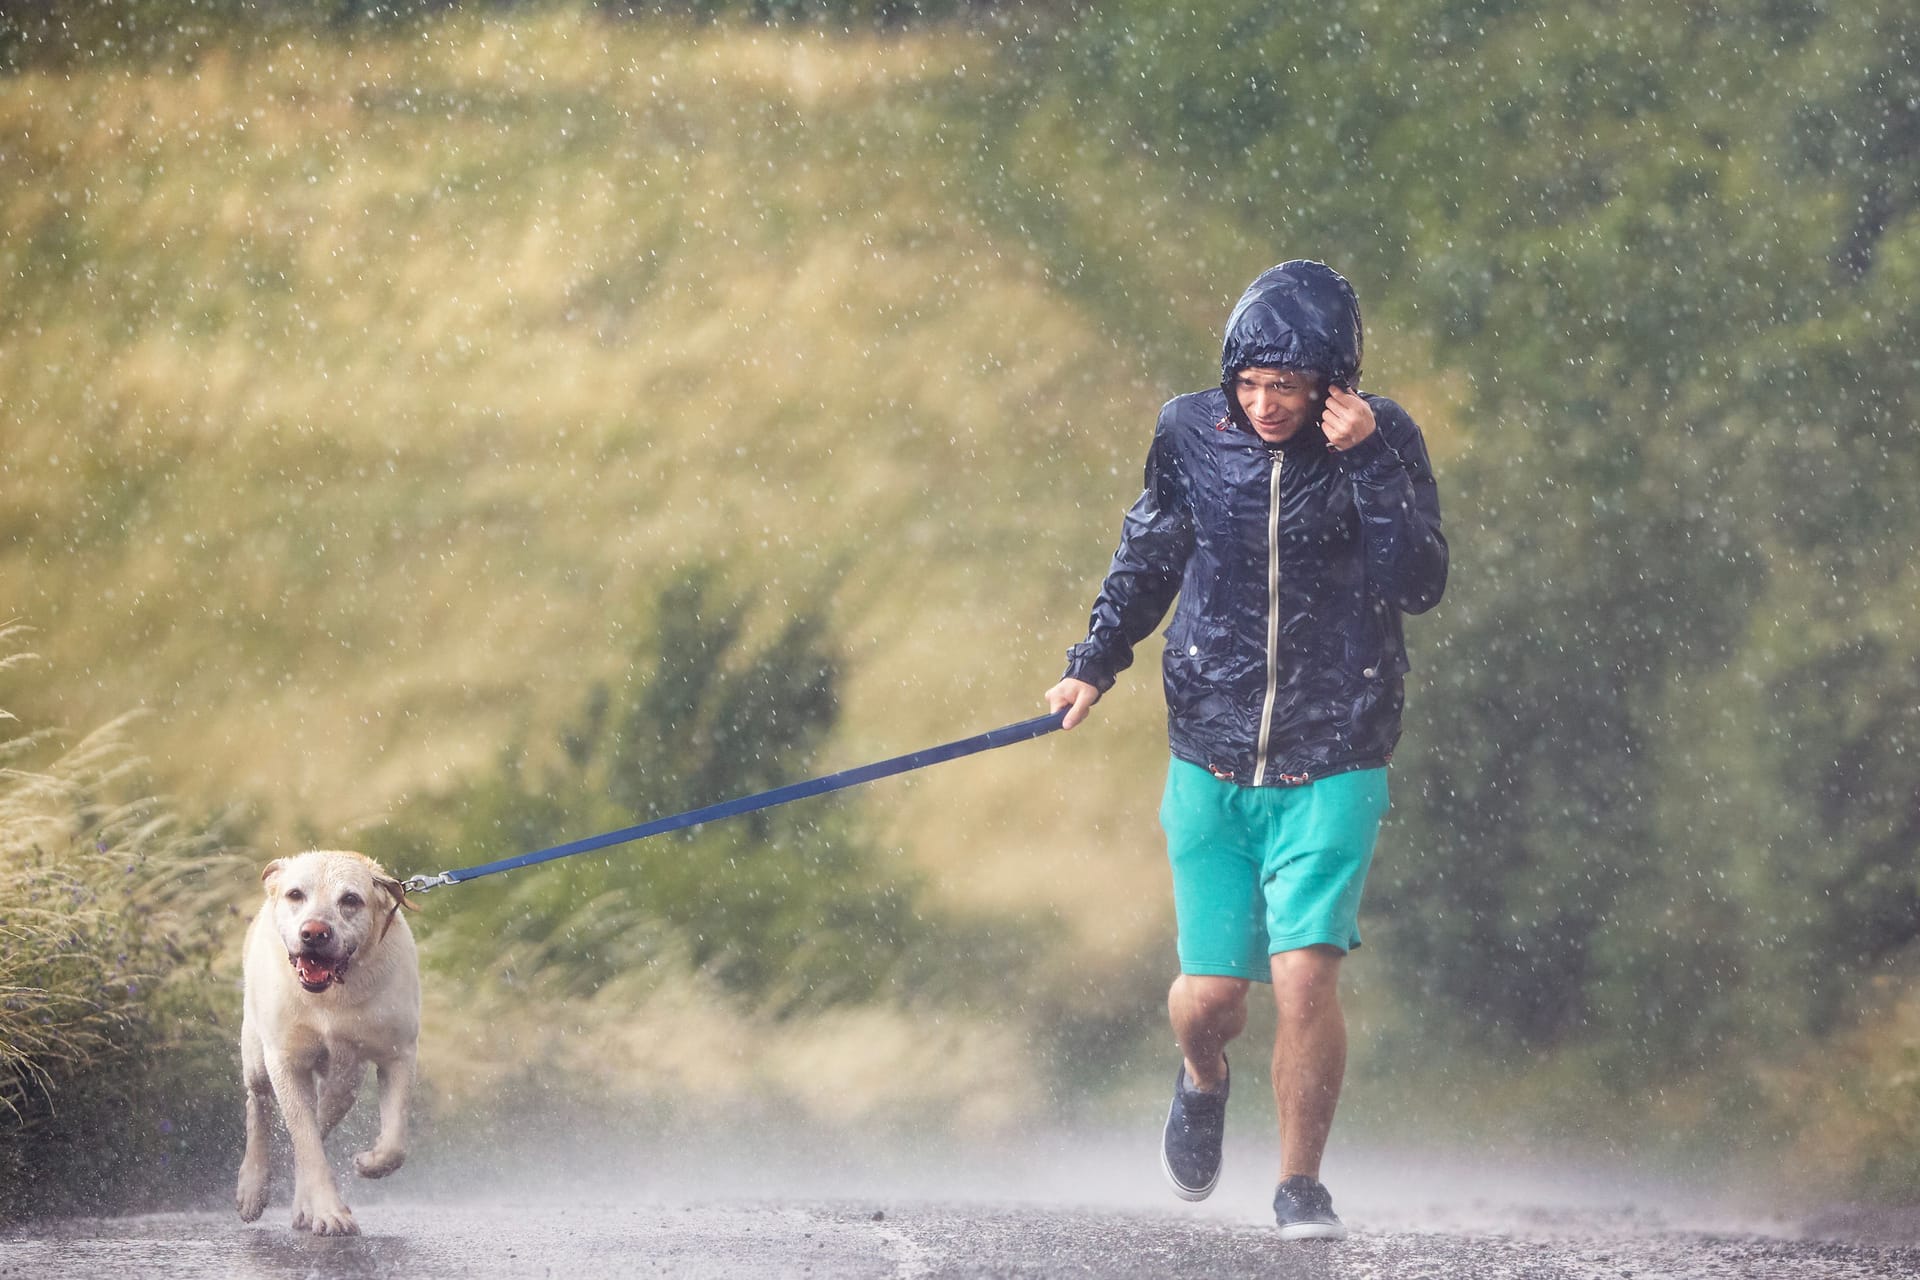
[(332, 984)]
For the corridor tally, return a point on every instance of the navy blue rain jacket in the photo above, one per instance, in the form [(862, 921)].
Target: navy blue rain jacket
[(1293, 563)]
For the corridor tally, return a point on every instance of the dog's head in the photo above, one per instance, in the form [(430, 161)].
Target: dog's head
[(328, 907)]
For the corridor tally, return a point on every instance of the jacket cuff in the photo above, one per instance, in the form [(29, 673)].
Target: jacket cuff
[(1090, 671)]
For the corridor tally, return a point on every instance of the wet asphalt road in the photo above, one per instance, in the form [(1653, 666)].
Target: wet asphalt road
[(530, 1202), (908, 1240)]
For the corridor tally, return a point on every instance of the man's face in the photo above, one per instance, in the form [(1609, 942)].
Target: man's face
[(1278, 402)]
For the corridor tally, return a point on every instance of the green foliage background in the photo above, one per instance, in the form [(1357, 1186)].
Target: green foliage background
[(377, 377)]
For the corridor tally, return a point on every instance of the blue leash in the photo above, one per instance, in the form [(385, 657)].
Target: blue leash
[(1005, 736)]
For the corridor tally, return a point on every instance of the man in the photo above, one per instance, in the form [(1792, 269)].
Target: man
[(1296, 520)]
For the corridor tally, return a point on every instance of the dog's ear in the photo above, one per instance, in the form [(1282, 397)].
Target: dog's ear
[(271, 871), (397, 891)]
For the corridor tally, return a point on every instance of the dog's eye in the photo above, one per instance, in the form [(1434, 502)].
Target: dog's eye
[(351, 900), (296, 895)]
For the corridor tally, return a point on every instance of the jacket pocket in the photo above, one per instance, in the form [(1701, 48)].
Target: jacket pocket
[(1369, 654)]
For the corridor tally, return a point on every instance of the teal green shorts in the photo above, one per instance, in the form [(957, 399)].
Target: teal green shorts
[(1261, 870)]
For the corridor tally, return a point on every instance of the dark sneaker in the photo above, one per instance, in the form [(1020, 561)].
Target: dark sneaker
[(1304, 1210), (1190, 1145)]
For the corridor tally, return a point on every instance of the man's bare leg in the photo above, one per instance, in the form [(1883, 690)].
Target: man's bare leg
[(1309, 1054), (1207, 1011)]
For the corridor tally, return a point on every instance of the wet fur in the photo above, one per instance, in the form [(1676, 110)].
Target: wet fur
[(309, 1050)]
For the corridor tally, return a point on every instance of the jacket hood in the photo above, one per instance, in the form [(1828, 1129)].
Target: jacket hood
[(1298, 315)]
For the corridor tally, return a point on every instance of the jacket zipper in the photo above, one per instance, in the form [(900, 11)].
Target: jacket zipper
[(1273, 622)]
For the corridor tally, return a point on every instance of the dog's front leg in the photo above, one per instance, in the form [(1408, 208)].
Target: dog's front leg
[(317, 1206), (250, 1195), (390, 1148)]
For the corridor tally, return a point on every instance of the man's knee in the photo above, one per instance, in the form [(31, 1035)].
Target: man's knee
[(1209, 997), (1306, 981)]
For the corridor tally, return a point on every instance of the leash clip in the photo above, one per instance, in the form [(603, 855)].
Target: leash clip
[(420, 884)]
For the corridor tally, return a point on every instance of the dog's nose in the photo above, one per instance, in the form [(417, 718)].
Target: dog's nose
[(314, 932)]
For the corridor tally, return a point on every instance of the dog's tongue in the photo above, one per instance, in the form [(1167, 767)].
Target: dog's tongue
[(313, 971)]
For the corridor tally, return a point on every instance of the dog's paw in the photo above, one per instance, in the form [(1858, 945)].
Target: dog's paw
[(325, 1218), (379, 1162), (250, 1197), (335, 1222)]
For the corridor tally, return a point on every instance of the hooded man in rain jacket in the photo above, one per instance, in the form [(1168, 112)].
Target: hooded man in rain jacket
[(1296, 520)]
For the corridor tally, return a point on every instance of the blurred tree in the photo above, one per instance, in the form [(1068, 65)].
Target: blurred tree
[(1672, 254), (1847, 866), (1857, 128), (1676, 410), (791, 907)]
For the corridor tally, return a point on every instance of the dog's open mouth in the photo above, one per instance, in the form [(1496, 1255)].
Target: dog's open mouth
[(317, 973)]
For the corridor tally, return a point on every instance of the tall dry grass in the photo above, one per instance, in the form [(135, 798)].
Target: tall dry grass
[(360, 393), (111, 935), (62, 996), (359, 390)]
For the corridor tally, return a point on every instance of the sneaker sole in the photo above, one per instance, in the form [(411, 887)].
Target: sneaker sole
[(1314, 1231), (1180, 1188)]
